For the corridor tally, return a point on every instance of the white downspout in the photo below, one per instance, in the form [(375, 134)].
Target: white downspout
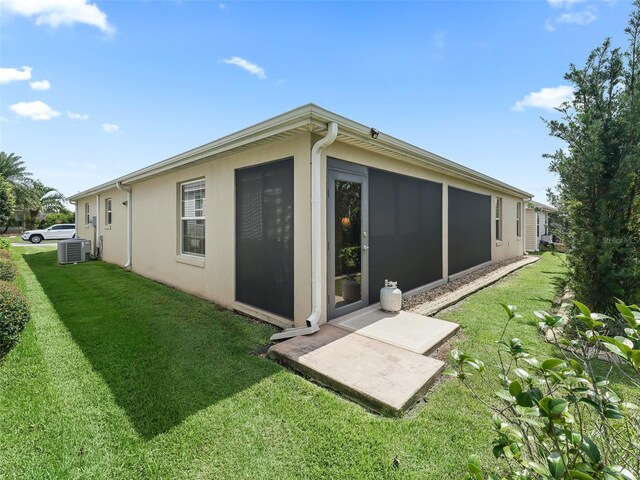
[(316, 238), (97, 229), (122, 188)]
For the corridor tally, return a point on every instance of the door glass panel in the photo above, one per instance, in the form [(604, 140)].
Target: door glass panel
[(348, 251)]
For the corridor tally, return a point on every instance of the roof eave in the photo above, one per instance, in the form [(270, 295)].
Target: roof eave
[(315, 119)]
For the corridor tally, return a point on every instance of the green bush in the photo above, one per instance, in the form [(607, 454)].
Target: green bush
[(558, 418), (7, 269), (4, 244), (59, 217), (14, 315), (5, 254)]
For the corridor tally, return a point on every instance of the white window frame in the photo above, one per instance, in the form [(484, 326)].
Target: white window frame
[(538, 225), (182, 217), (87, 214), (108, 211), (498, 213), (519, 219)]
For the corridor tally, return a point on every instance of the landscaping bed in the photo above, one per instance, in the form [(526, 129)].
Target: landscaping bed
[(427, 296)]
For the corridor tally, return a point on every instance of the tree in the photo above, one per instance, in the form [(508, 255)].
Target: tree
[(42, 198), (13, 169), (7, 201), (65, 216), (599, 172)]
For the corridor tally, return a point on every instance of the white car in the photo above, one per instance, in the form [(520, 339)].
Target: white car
[(55, 232)]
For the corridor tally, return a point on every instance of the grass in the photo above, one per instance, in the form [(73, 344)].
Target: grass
[(117, 376)]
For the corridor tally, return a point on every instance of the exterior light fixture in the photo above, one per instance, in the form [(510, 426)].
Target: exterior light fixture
[(345, 222), (374, 133)]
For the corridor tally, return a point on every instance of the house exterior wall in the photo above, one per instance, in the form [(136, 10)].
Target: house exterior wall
[(510, 246), (114, 244), (114, 236), (156, 215), (155, 220)]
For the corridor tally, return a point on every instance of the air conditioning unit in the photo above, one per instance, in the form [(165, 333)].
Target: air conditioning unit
[(74, 250)]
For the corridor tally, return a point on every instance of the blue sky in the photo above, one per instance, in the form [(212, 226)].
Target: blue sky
[(113, 86)]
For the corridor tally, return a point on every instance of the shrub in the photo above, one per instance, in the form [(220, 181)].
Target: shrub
[(59, 217), (7, 269), (560, 418), (14, 315), (5, 254), (4, 244)]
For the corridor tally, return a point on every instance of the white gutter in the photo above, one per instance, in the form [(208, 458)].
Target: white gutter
[(97, 230), (122, 188), (316, 238)]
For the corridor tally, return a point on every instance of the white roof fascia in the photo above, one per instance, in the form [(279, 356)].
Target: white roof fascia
[(315, 119)]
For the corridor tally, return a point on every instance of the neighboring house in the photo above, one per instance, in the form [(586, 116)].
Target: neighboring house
[(17, 223), (301, 218), (537, 225)]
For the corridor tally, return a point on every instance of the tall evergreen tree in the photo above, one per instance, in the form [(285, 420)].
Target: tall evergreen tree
[(599, 172)]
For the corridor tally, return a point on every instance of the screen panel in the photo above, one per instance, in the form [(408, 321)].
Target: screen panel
[(405, 231), (264, 237), (469, 229)]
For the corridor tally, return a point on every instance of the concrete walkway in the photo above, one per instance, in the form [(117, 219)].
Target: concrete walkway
[(443, 301), (381, 377), (416, 333), (379, 359)]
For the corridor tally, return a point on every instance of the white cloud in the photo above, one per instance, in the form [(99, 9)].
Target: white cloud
[(34, 110), (77, 116), (563, 3), (585, 17), (40, 85), (547, 98), (222, 6), (8, 75), (252, 68), (110, 127), (548, 26), (60, 12)]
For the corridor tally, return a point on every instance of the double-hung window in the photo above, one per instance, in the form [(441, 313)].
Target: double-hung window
[(518, 219), (498, 218), (107, 212), (192, 218), (87, 214)]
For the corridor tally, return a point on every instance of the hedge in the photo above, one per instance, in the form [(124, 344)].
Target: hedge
[(14, 315)]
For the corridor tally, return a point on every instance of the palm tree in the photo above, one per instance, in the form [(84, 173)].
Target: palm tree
[(42, 198), (13, 169)]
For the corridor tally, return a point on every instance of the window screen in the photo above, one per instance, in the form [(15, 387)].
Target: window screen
[(192, 218), (264, 237), (405, 228), (469, 229), (108, 212)]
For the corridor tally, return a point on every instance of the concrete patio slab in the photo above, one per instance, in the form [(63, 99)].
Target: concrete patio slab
[(386, 378), (407, 330)]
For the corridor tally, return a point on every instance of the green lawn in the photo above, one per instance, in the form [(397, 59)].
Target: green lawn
[(117, 376)]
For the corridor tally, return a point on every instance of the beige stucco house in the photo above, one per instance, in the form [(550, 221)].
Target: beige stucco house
[(299, 219), (537, 224)]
